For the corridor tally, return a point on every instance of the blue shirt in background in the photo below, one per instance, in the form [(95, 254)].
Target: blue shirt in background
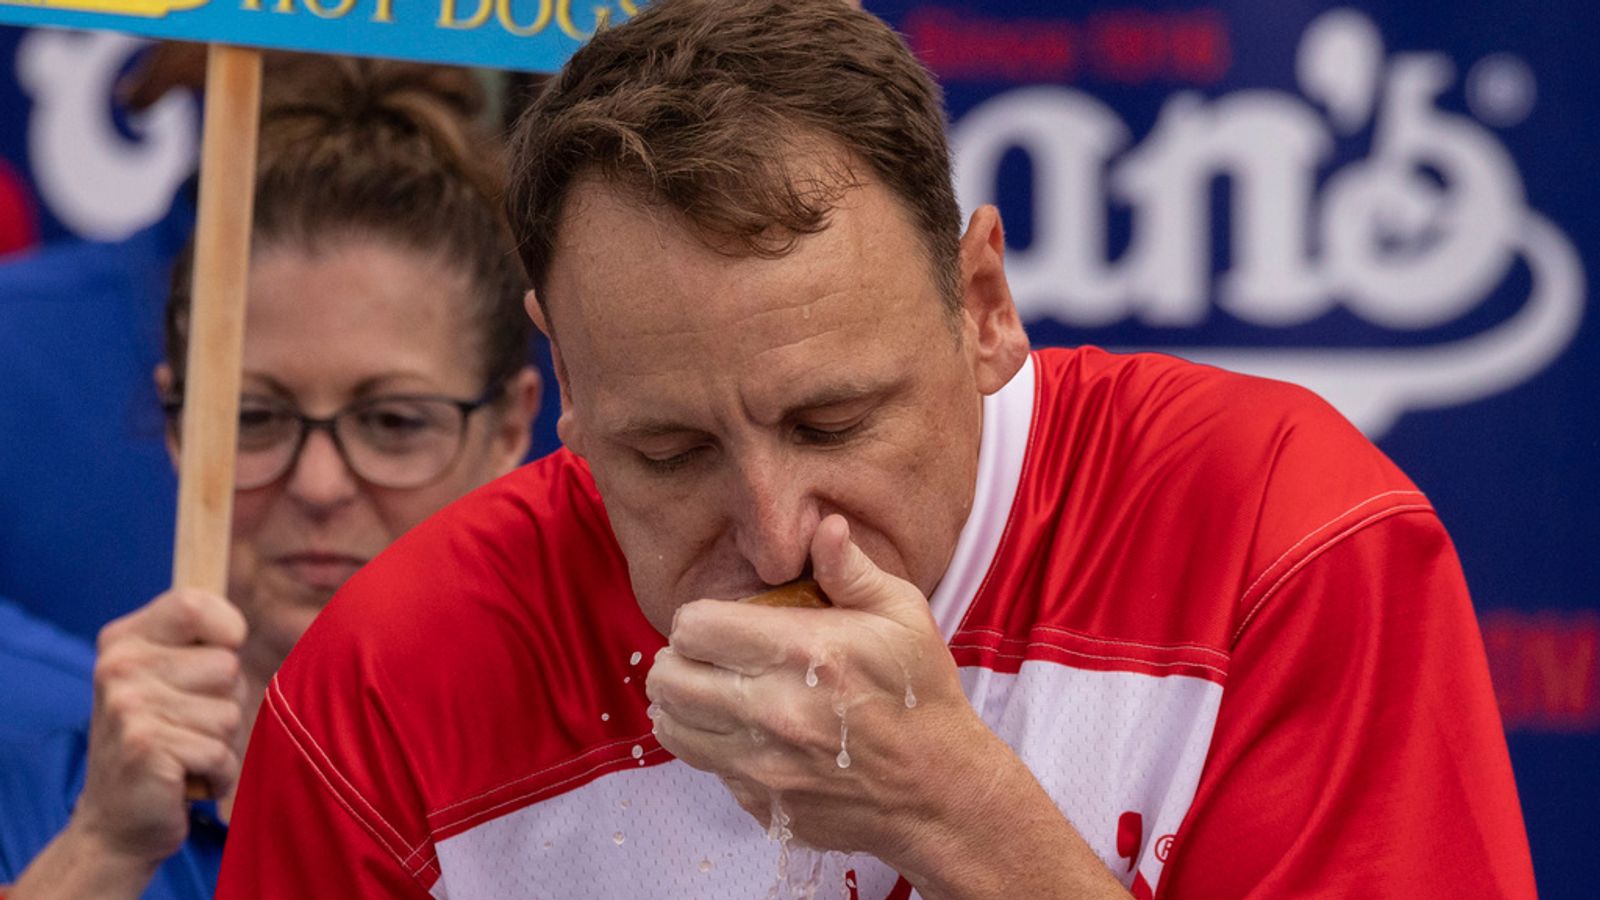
[(40, 780), (46, 691), (45, 676), (86, 512)]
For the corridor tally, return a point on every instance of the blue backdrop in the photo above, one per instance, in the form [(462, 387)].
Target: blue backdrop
[(1392, 202)]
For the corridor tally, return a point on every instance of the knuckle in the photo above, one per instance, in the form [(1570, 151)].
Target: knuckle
[(866, 580), (687, 621), (788, 727), (187, 607), (662, 697), (121, 702), (221, 760), (110, 635), (139, 740), (816, 648), (665, 731), (239, 627), (111, 667), (224, 664), (229, 718)]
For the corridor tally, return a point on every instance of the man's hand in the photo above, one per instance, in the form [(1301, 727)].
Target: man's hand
[(853, 719), (831, 710)]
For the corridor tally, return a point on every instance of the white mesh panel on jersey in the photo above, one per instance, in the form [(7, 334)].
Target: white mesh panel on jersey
[(1101, 744)]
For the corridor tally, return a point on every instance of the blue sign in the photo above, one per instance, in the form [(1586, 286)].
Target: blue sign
[(1392, 203), (530, 35)]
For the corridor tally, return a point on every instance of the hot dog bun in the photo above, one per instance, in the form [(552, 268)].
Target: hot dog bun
[(803, 593)]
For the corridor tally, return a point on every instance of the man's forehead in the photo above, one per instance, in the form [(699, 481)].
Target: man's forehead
[(646, 315), (659, 381), (628, 265)]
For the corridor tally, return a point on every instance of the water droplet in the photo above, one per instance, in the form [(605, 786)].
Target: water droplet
[(653, 712), (706, 865), (843, 759), (641, 762), (605, 717), (627, 680), (634, 659), (778, 823), (911, 699), (618, 838), (811, 674), (638, 751)]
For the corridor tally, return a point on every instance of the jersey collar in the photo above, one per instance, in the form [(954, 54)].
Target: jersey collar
[(1007, 420)]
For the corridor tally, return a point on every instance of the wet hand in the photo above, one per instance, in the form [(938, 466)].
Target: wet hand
[(852, 718), (167, 701)]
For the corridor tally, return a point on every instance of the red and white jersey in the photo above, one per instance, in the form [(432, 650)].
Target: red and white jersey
[(1228, 636)]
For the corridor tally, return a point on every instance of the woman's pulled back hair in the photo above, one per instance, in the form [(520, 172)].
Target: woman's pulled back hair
[(717, 110), (358, 149)]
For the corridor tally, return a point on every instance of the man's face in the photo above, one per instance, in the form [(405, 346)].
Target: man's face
[(727, 403)]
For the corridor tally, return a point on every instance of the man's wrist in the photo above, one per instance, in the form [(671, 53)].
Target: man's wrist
[(942, 857), (998, 834)]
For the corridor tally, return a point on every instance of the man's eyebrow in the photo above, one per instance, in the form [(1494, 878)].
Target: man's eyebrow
[(839, 395), (644, 429), (845, 395)]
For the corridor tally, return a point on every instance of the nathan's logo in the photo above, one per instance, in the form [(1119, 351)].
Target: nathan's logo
[(1415, 236), (144, 9)]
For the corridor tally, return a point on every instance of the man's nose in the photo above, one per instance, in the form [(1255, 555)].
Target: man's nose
[(320, 479), (776, 517)]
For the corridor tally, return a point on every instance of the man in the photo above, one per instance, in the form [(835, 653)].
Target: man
[(1101, 624)]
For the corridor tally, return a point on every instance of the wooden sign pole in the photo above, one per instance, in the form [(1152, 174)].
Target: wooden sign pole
[(212, 376)]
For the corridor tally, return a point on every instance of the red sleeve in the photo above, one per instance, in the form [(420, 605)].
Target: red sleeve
[(1358, 750), (316, 836), (408, 695)]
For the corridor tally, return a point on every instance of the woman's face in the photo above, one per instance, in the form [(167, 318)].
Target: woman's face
[(357, 320)]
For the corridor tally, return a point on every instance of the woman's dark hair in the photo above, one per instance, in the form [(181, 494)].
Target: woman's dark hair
[(394, 151)]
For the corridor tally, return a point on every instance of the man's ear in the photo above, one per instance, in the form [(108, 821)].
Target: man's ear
[(566, 425), (990, 321), (166, 381)]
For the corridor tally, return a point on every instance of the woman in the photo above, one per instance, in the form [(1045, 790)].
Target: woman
[(384, 375)]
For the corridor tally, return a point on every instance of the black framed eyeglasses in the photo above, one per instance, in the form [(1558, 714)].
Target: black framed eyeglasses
[(392, 441)]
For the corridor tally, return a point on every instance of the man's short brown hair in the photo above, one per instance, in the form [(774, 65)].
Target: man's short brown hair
[(717, 109)]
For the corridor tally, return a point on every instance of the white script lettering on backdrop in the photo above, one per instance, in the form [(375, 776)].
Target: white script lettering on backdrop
[(101, 183), (1414, 236)]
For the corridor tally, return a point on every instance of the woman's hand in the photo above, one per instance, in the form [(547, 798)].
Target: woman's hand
[(167, 702)]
